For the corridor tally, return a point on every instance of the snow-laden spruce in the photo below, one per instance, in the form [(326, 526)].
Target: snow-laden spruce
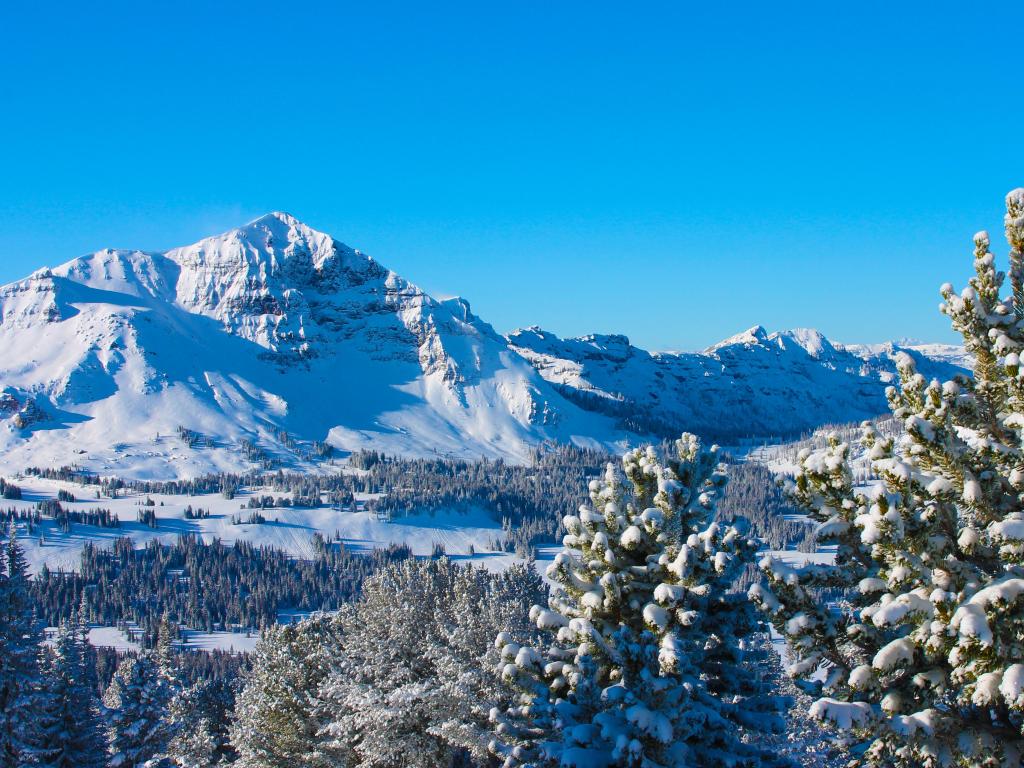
[(19, 649), (275, 723), (411, 683), (68, 724), (920, 653), (196, 719), (136, 702), (401, 677), (643, 660)]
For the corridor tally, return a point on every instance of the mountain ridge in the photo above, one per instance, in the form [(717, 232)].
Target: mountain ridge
[(273, 340), (783, 383)]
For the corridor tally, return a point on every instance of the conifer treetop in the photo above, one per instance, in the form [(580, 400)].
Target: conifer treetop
[(643, 664), (913, 640)]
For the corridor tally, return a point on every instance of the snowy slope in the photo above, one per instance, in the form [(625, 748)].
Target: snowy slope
[(752, 384), (465, 536), (266, 329), (265, 343)]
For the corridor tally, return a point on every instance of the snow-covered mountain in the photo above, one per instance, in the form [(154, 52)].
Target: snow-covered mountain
[(269, 329), (271, 341), (752, 384)]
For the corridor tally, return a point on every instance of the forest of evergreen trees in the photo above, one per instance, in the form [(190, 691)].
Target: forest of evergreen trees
[(161, 587), (203, 586), (183, 705), (529, 501)]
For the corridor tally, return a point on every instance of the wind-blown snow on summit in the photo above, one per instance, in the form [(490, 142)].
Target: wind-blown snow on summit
[(273, 343)]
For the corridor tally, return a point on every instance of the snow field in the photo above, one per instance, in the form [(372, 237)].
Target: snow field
[(464, 536)]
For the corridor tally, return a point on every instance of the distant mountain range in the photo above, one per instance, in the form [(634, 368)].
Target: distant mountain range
[(753, 384), (273, 343)]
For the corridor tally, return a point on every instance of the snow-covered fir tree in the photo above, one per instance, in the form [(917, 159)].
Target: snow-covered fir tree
[(920, 655), (163, 654), (644, 668), (197, 724), (69, 729), (411, 685), (19, 650), (137, 700), (276, 721)]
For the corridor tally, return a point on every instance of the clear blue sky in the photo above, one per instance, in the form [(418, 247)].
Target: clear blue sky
[(671, 171)]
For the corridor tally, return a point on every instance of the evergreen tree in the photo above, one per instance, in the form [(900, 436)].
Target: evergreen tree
[(69, 731), (137, 700), (19, 667), (164, 652), (276, 721), (645, 666), (410, 684), (197, 718), (921, 662)]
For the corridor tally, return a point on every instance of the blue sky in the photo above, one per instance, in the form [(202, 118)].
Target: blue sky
[(674, 172)]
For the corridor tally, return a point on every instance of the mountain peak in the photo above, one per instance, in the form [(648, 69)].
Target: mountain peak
[(275, 328), (813, 341), (279, 228), (282, 222), (282, 216), (755, 335), (257, 279), (271, 240)]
